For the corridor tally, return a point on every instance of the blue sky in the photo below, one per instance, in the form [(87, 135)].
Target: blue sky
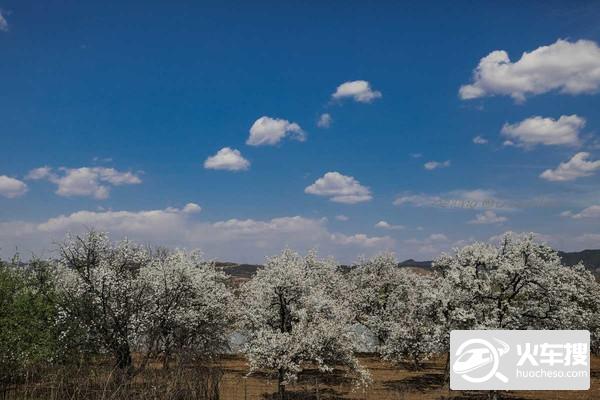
[(124, 103)]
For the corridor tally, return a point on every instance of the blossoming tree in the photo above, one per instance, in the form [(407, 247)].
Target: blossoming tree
[(520, 284), (295, 314), (128, 299)]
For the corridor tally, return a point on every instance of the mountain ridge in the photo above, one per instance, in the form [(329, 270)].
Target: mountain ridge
[(589, 257)]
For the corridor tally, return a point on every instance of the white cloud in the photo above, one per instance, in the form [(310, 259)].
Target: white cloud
[(142, 224), (568, 67), (39, 173), (416, 155), (583, 241), (228, 159), (191, 208), (340, 188), (547, 131), (479, 140), (431, 165), (360, 91), (324, 121), (3, 22), (240, 240), (85, 181), (362, 240), (430, 246), (11, 187), (438, 237), (387, 225), (270, 131), (488, 217), (342, 218), (102, 159), (456, 199), (589, 212), (578, 166), (417, 200)]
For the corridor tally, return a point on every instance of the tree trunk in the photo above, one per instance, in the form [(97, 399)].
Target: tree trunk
[(124, 360), (280, 385), (493, 395)]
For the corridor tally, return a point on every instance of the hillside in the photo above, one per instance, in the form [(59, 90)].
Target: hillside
[(589, 258)]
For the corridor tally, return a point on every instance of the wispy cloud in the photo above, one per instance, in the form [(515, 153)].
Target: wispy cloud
[(456, 199), (235, 239), (431, 165), (324, 121), (3, 22), (488, 217), (387, 225), (589, 212), (479, 140)]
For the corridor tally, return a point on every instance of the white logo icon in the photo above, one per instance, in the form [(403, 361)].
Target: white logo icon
[(476, 356)]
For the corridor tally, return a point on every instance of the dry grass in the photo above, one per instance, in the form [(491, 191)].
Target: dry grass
[(389, 383), (228, 378)]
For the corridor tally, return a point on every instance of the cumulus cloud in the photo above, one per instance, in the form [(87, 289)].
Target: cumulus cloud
[(360, 91), (431, 165), (340, 188), (387, 225), (479, 140), (270, 131), (568, 67), (577, 167), (324, 121), (589, 212), (547, 131), (3, 22), (85, 181), (240, 240), (11, 187), (488, 217), (342, 218), (227, 159)]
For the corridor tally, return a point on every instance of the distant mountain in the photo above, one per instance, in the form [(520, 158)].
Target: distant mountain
[(589, 258), (243, 271)]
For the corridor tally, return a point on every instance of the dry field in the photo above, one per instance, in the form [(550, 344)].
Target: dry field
[(195, 383), (389, 383)]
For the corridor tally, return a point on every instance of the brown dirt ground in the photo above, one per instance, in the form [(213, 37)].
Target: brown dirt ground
[(389, 383)]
